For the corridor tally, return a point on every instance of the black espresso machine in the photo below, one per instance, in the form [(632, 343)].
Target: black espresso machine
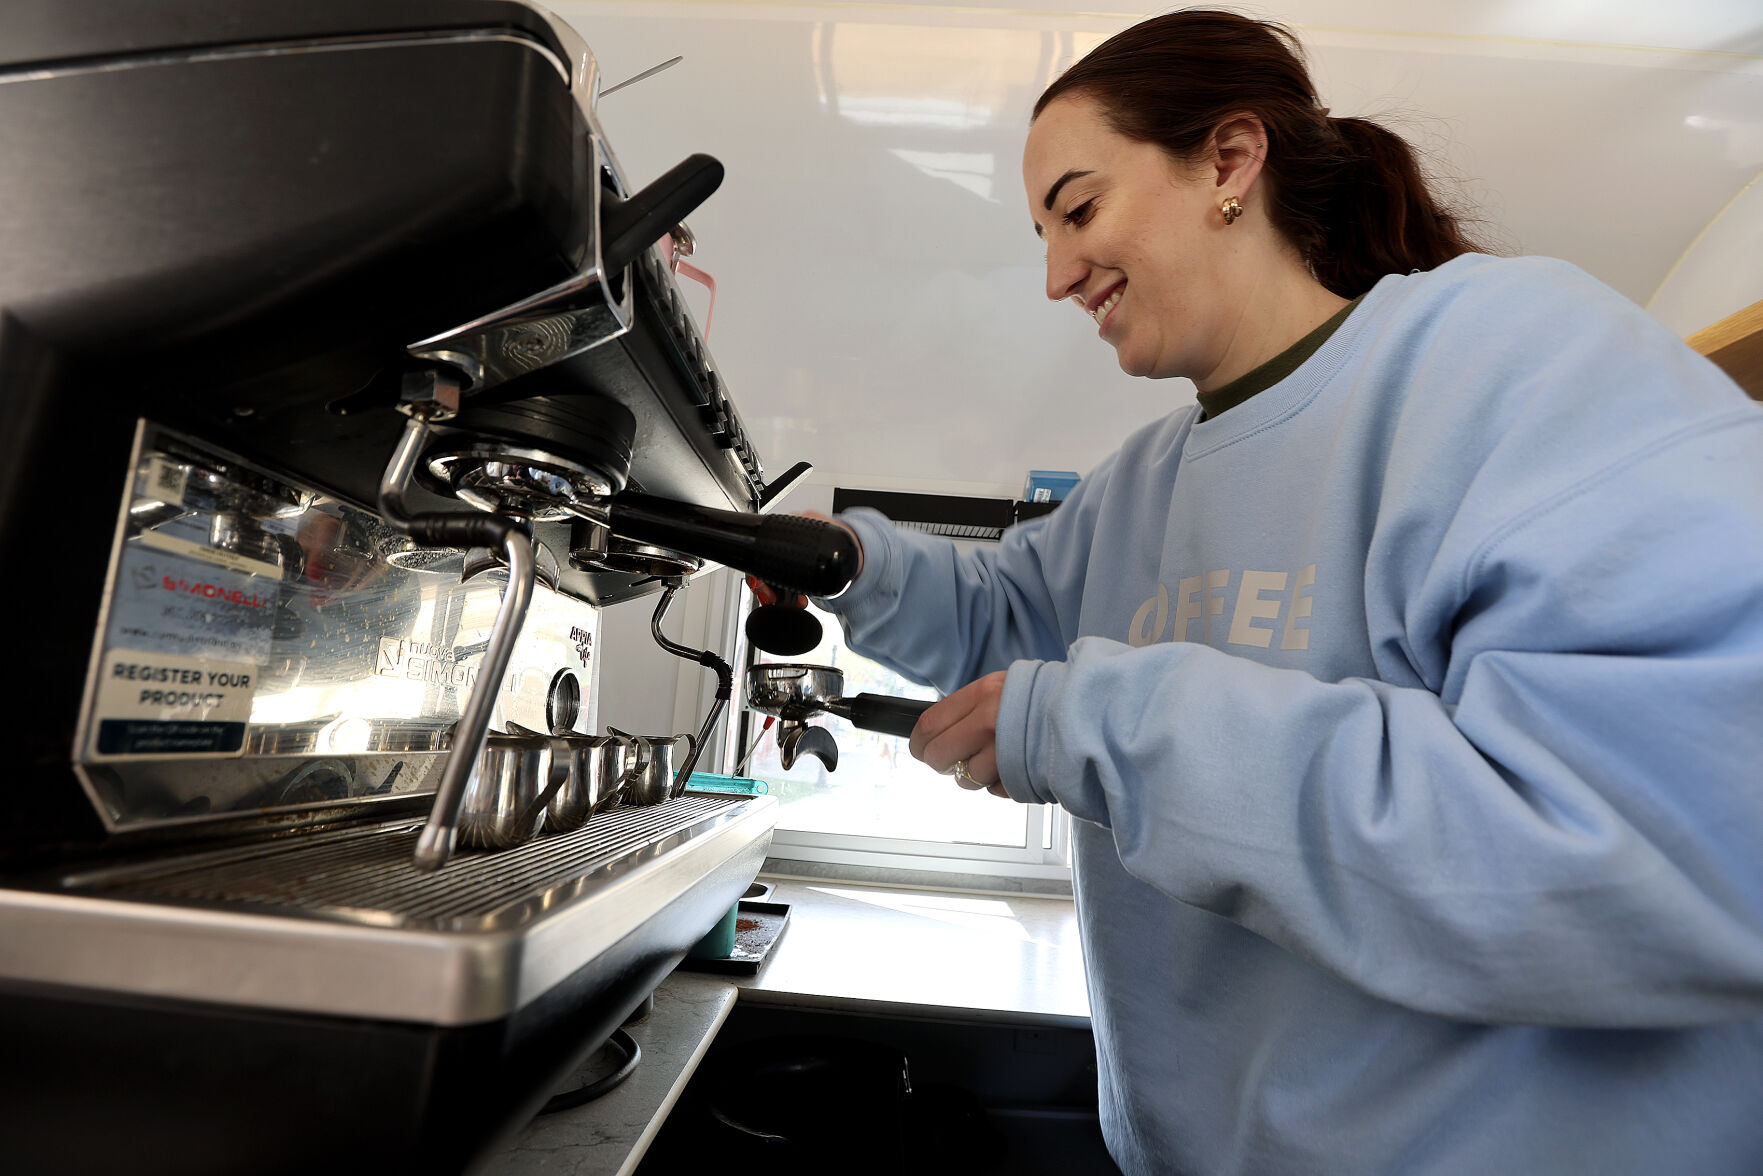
[(343, 380)]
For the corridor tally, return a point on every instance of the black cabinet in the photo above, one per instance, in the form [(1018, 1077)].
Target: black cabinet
[(787, 1091)]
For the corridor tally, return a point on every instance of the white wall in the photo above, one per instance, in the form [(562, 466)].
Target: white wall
[(1722, 271), (881, 310)]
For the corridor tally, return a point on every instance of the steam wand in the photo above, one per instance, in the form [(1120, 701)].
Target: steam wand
[(430, 396), (725, 684)]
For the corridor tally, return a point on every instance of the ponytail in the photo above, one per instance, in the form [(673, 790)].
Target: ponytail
[(1361, 208), (1348, 194)]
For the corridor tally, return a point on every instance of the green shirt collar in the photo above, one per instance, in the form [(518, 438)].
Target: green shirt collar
[(1220, 400)]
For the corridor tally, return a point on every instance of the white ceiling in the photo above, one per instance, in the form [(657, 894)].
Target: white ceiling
[(880, 309)]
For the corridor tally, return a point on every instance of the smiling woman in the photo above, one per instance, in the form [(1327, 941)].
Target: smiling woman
[(1402, 694), (1150, 247), (1143, 159), (1346, 194)]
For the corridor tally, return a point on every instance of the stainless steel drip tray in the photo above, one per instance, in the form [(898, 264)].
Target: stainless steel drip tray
[(344, 925)]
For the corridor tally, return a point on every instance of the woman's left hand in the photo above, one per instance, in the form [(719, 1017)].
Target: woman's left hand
[(959, 735)]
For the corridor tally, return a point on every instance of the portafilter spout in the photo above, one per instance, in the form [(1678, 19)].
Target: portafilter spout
[(431, 396)]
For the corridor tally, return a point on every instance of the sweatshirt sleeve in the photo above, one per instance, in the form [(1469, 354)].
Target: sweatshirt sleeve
[(1570, 834), (935, 613)]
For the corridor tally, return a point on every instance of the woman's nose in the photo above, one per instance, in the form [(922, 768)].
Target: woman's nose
[(1065, 272)]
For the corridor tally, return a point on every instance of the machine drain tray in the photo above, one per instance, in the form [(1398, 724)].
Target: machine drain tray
[(342, 923), (757, 928)]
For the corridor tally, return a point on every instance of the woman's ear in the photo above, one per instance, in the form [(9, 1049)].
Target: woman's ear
[(1239, 145)]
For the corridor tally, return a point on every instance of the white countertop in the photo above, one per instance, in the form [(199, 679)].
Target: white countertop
[(928, 953), (882, 950)]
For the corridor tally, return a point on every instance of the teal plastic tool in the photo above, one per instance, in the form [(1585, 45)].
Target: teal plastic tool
[(711, 782)]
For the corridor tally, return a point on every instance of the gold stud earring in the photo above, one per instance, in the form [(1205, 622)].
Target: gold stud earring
[(1231, 210)]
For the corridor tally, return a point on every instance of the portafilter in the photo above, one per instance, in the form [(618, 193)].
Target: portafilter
[(795, 693)]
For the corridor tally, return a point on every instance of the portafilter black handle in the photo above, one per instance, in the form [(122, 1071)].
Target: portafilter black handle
[(627, 227), (880, 712), (803, 554)]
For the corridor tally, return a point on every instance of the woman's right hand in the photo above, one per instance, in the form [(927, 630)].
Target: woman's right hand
[(959, 735)]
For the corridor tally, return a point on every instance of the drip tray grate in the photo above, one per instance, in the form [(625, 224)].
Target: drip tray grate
[(368, 877)]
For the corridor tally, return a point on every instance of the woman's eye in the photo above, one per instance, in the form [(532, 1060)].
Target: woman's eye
[(1079, 215)]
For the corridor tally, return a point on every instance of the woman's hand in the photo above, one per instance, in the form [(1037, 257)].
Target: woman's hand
[(962, 730)]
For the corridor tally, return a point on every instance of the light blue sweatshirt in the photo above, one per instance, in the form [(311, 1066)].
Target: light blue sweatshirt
[(1412, 712)]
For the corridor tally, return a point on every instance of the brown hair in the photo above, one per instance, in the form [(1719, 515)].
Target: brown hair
[(1347, 193)]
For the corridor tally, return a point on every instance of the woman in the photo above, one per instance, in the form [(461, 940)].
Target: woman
[(1408, 691)]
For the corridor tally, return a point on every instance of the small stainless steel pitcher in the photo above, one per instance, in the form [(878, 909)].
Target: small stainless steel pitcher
[(652, 783), (515, 777), (600, 769)]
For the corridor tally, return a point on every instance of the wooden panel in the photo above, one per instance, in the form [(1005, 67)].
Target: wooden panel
[(1736, 344)]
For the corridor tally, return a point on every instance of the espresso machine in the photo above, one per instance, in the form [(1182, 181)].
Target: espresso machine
[(344, 381)]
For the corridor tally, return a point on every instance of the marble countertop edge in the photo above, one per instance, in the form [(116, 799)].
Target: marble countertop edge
[(641, 1146)]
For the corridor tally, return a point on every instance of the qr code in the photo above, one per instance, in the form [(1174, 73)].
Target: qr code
[(165, 480)]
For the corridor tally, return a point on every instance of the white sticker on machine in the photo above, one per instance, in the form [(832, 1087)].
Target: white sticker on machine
[(166, 603), (166, 704)]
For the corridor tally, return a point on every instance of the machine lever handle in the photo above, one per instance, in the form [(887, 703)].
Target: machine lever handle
[(803, 554), (627, 227)]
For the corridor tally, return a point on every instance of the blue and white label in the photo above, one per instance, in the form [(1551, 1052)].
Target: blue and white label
[(165, 704)]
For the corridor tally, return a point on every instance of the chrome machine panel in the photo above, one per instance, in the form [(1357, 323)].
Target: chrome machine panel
[(265, 649)]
